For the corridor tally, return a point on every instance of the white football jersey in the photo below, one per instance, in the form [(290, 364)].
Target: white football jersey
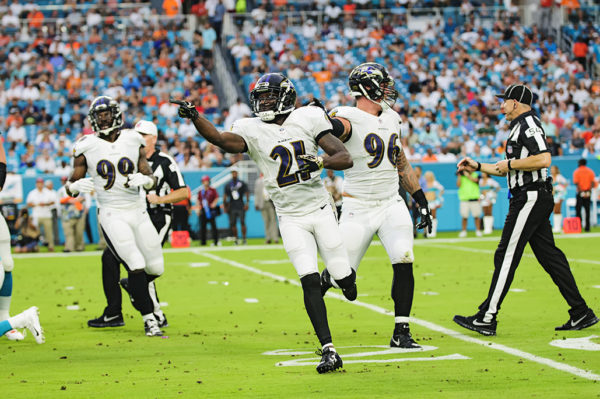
[(109, 164), (373, 145), (274, 148)]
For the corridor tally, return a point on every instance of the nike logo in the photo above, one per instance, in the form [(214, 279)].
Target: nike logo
[(396, 342), (573, 324), (476, 323), (110, 318)]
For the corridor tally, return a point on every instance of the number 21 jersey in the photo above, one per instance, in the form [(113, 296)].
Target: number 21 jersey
[(275, 147), (109, 164)]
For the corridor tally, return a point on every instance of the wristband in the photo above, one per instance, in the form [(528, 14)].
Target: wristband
[(478, 166), (509, 167), (420, 199)]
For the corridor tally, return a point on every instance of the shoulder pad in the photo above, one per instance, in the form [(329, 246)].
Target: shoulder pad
[(83, 144), (133, 137)]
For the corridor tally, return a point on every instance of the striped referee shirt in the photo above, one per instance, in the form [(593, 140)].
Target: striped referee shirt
[(526, 138), (168, 178)]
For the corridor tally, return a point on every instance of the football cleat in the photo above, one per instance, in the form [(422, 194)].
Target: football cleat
[(402, 338), (107, 321), (578, 323), (151, 328), (15, 335), (32, 323), (162, 321), (330, 360), (474, 323)]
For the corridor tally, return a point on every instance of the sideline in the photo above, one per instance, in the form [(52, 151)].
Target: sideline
[(424, 323)]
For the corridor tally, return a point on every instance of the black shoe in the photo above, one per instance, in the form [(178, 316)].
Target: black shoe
[(402, 338), (107, 321), (162, 321), (350, 293), (578, 323), (325, 282), (330, 360), (476, 324)]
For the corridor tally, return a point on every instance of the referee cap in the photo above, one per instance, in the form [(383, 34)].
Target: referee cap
[(146, 127), (519, 93)]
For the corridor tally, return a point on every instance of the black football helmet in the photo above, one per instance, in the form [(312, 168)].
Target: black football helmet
[(374, 82), (273, 95), (104, 103)]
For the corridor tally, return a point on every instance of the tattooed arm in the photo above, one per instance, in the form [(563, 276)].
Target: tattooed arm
[(410, 182)]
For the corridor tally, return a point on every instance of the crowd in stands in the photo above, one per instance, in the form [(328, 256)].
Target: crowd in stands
[(54, 61)]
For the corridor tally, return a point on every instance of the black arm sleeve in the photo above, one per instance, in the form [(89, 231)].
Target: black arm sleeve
[(338, 127), (2, 174)]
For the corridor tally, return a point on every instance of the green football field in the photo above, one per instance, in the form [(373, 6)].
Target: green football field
[(238, 329)]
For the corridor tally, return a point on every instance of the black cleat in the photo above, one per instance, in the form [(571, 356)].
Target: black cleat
[(325, 282), (107, 321), (330, 360), (475, 324), (579, 323), (350, 293), (402, 338), (162, 321), (151, 328)]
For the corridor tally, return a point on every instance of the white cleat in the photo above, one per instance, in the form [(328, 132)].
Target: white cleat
[(15, 335), (478, 233), (462, 234), (32, 322), (152, 329)]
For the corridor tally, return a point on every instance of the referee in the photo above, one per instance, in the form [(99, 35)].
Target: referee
[(531, 204), (170, 188)]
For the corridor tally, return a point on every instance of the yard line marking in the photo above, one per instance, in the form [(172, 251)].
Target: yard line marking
[(488, 251), (427, 324)]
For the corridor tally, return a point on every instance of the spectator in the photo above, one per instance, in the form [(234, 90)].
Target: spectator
[(181, 215), (559, 192), (489, 191), (16, 133), (239, 110), (45, 163), (49, 186), (234, 204), (434, 192), (28, 234), (41, 201), (584, 180), (73, 219), (468, 194), (208, 210), (264, 204)]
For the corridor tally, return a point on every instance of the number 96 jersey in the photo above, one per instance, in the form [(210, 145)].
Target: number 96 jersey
[(275, 149), (109, 164), (374, 146)]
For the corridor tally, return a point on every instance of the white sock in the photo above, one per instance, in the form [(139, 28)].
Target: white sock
[(434, 224), (330, 346), (557, 228), (149, 316), (401, 319), (488, 224)]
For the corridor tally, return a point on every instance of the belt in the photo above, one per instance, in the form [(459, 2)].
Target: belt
[(158, 211), (546, 185)]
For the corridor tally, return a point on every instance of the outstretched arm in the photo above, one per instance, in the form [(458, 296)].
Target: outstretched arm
[(229, 142)]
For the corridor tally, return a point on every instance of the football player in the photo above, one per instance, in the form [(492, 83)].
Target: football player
[(283, 141), (116, 161), (28, 318), (371, 203)]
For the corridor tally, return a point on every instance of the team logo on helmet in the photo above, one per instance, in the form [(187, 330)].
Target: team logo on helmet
[(104, 103), (273, 95), (374, 82)]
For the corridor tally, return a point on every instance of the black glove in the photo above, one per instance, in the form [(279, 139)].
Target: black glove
[(424, 211), (186, 109), (310, 163)]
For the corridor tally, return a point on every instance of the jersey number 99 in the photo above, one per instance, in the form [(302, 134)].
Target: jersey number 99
[(106, 170)]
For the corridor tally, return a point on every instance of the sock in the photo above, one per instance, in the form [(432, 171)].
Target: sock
[(315, 307), (5, 327), (148, 316), (5, 295), (401, 319), (488, 224), (434, 224), (557, 228), (348, 281), (403, 286), (138, 287), (110, 283), (328, 346)]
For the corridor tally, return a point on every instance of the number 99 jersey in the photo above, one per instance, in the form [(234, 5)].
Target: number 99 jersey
[(374, 146), (109, 164), (275, 149)]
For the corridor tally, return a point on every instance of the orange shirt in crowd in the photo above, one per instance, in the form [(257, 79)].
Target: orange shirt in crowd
[(429, 158), (584, 178), (580, 50), (171, 7), (36, 18), (322, 76)]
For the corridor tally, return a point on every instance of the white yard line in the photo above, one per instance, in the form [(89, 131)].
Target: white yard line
[(424, 323)]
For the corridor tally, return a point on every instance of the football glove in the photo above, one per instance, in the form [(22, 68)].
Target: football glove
[(186, 109), (140, 179), (311, 163), (80, 186), (424, 210)]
